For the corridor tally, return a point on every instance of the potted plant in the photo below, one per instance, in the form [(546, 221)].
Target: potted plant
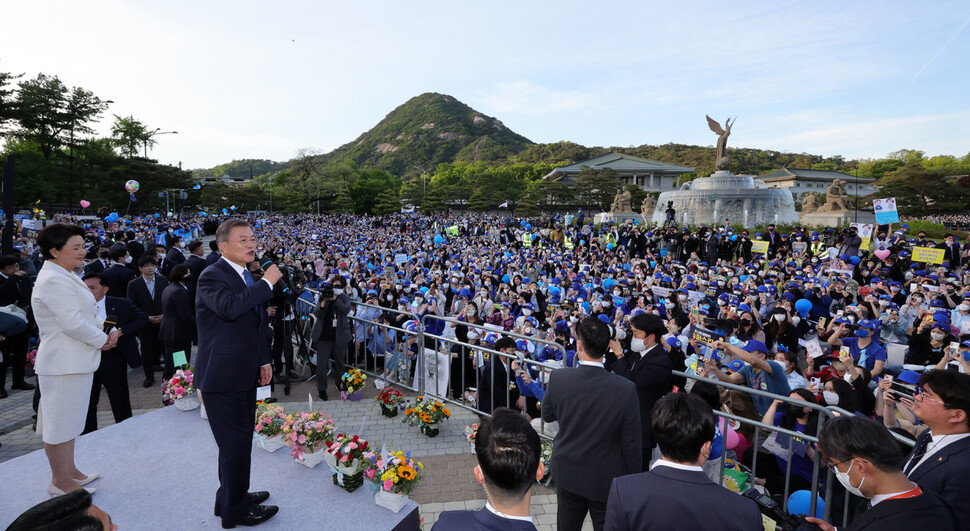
[(394, 475), (180, 390), (268, 433), (426, 414), (307, 435), (470, 433), (350, 384), (390, 400), (347, 457)]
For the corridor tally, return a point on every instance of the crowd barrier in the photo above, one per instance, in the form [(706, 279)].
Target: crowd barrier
[(428, 380)]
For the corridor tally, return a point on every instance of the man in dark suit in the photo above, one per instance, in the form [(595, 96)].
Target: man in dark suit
[(951, 253), (648, 366), (112, 372), (496, 387), (940, 460), (136, 247), (177, 331), (330, 334), (599, 429), (214, 254), (117, 275), (15, 288), (676, 493), (508, 451), (865, 459), (146, 293), (173, 256), (196, 264), (232, 359), (100, 263)]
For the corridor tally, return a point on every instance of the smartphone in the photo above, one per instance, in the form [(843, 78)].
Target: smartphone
[(844, 350), (840, 313), (817, 382), (954, 347), (822, 321)]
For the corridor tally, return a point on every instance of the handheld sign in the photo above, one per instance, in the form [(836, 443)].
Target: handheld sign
[(178, 358), (759, 247)]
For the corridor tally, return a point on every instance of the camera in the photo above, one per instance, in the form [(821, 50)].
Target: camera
[(902, 390), (783, 520), (326, 293)]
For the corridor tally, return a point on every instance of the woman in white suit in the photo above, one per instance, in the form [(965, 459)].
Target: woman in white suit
[(71, 340)]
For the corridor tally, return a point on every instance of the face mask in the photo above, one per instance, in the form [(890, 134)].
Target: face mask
[(338, 291), (843, 478), (606, 304), (670, 305), (814, 260), (745, 322), (722, 303), (964, 307), (682, 297), (831, 398), (526, 312), (894, 289), (862, 332), (778, 317), (402, 307), (883, 304), (472, 335), (937, 336), (917, 301), (574, 320), (128, 260), (636, 345), (795, 320)]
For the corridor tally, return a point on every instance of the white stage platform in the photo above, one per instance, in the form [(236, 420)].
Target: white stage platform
[(159, 471)]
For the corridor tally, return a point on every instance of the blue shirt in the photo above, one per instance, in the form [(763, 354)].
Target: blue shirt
[(865, 357), (776, 383)]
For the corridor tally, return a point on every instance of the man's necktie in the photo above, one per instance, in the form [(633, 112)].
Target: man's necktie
[(248, 278), (919, 450)]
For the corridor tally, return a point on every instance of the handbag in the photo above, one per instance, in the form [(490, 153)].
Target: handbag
[(13, 320)]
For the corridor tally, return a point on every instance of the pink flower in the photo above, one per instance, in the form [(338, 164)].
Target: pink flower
[(388, 485), (344, 459), (370, 473), (259, 427), (352, 446), (302, 439)]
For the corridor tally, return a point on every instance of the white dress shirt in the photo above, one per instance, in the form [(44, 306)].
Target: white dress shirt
[(240, 269), (678, 466), (503, 515), (937, 443)]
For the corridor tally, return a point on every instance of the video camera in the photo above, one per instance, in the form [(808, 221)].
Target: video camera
[(783, 520)]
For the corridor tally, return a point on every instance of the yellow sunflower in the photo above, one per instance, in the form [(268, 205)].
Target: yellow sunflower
[(407, 473)]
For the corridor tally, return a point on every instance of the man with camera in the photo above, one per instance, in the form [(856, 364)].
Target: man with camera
[(676, 493), (331, 333)]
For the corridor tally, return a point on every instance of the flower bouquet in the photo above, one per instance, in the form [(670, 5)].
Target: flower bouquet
[(180, 390), (346, 457), (307, 435), (390, 400), (31, 358), (426, 414), (268, 433), (350, 385), (470, 433), (394, 476), (546, 458)]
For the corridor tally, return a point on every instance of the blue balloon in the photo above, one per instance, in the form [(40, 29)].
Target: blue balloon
[(438, 240), (609, 246), (743, 278), (854, 260), (225, 211), (506, 279), (803, 307), (157, 216), (522, 223), (734, 237), (528, 226), (800, 502)]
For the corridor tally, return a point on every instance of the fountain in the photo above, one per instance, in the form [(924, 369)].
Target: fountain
[(741, 199)]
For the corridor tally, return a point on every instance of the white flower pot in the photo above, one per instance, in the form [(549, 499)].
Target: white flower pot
[(391, 501), (187, 402), (270, 444)]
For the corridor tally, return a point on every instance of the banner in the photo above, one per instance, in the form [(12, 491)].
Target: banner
[(661, 293), (703, 335), (928, 255), (865, 232), (799, 247), (453, 230), (759, 247), (885, 210), (400, 258)]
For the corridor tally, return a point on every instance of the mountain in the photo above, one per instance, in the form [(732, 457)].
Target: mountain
[(246, 168), (427, 130)]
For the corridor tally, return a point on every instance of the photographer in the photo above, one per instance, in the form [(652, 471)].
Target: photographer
[(331, 333)]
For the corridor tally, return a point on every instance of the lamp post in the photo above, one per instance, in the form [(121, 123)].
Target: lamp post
[(157, 131)]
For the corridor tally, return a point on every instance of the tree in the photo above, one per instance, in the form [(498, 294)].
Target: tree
[(919, 191), (8, 104), (388, 202), (129, 134), (41, 112), (597, 188)]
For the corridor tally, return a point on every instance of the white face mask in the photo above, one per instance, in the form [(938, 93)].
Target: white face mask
[(128, 259), (390, 297), (722, 303), (682, 297), (670, 305), (843, 478), (606, 304), (472, 335), (574, 320), (778, 317), (338, 291), (831, 398), (617, 293), (964, 307), (795, 320), (937, 335), (636, 345), (526, 312), (470, 313)]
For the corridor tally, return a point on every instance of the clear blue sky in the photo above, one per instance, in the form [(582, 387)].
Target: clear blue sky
[(262, 79)]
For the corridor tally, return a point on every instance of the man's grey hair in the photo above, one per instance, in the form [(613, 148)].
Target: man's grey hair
[(222, 233)]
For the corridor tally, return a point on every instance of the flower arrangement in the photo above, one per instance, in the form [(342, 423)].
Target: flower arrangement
[(546, 458), (350, 383), (470, 432), (389, 399), (31, 357), (270, 419), (426, 414), (179, 386), (347, 457), (306, 433), (394, 472)]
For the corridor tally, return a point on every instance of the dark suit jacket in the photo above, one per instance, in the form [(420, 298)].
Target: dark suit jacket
[(178, 317), (136, 250), (138, 294), (481, 520), (131, 321), (195, 264), (231, 322), (212, 258), (117, 277), (651, 375), (928, 511), (947, 474), (15, 289), (94, 267), (599, 429), (668, 498), (494, 381), (173, 258)]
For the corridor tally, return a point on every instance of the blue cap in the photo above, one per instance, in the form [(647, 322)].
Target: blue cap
[(674, 342), (753, 345), (736, 365), (909, 377)]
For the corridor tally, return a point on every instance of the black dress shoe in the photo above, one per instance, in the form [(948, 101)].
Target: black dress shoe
[(254, 516), (24, 386), (252, 498), (3, 393), (322, 395), (150, 381)]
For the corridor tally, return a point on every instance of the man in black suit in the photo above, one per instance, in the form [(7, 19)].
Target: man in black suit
[(177, 331), (232, 359), (648, 366), (676, 493), (496, 387), (940, 460), (951, 252), (599, 429), (865, 459), (196, 264), (112, 372), (508, 451), (15, 288), (118, 274), (100, 263), (146, 293), (331, 333), (214, 254), (135, 244), (173, 256)]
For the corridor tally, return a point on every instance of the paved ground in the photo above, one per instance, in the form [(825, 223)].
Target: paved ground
[(449, 483)]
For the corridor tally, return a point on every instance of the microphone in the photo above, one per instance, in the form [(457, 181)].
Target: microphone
[(268, 263), (110, 322)]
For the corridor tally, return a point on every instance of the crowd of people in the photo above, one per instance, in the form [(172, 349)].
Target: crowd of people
[(821, 317)]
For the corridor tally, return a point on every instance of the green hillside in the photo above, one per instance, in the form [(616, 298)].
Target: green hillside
[(242, 168)]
